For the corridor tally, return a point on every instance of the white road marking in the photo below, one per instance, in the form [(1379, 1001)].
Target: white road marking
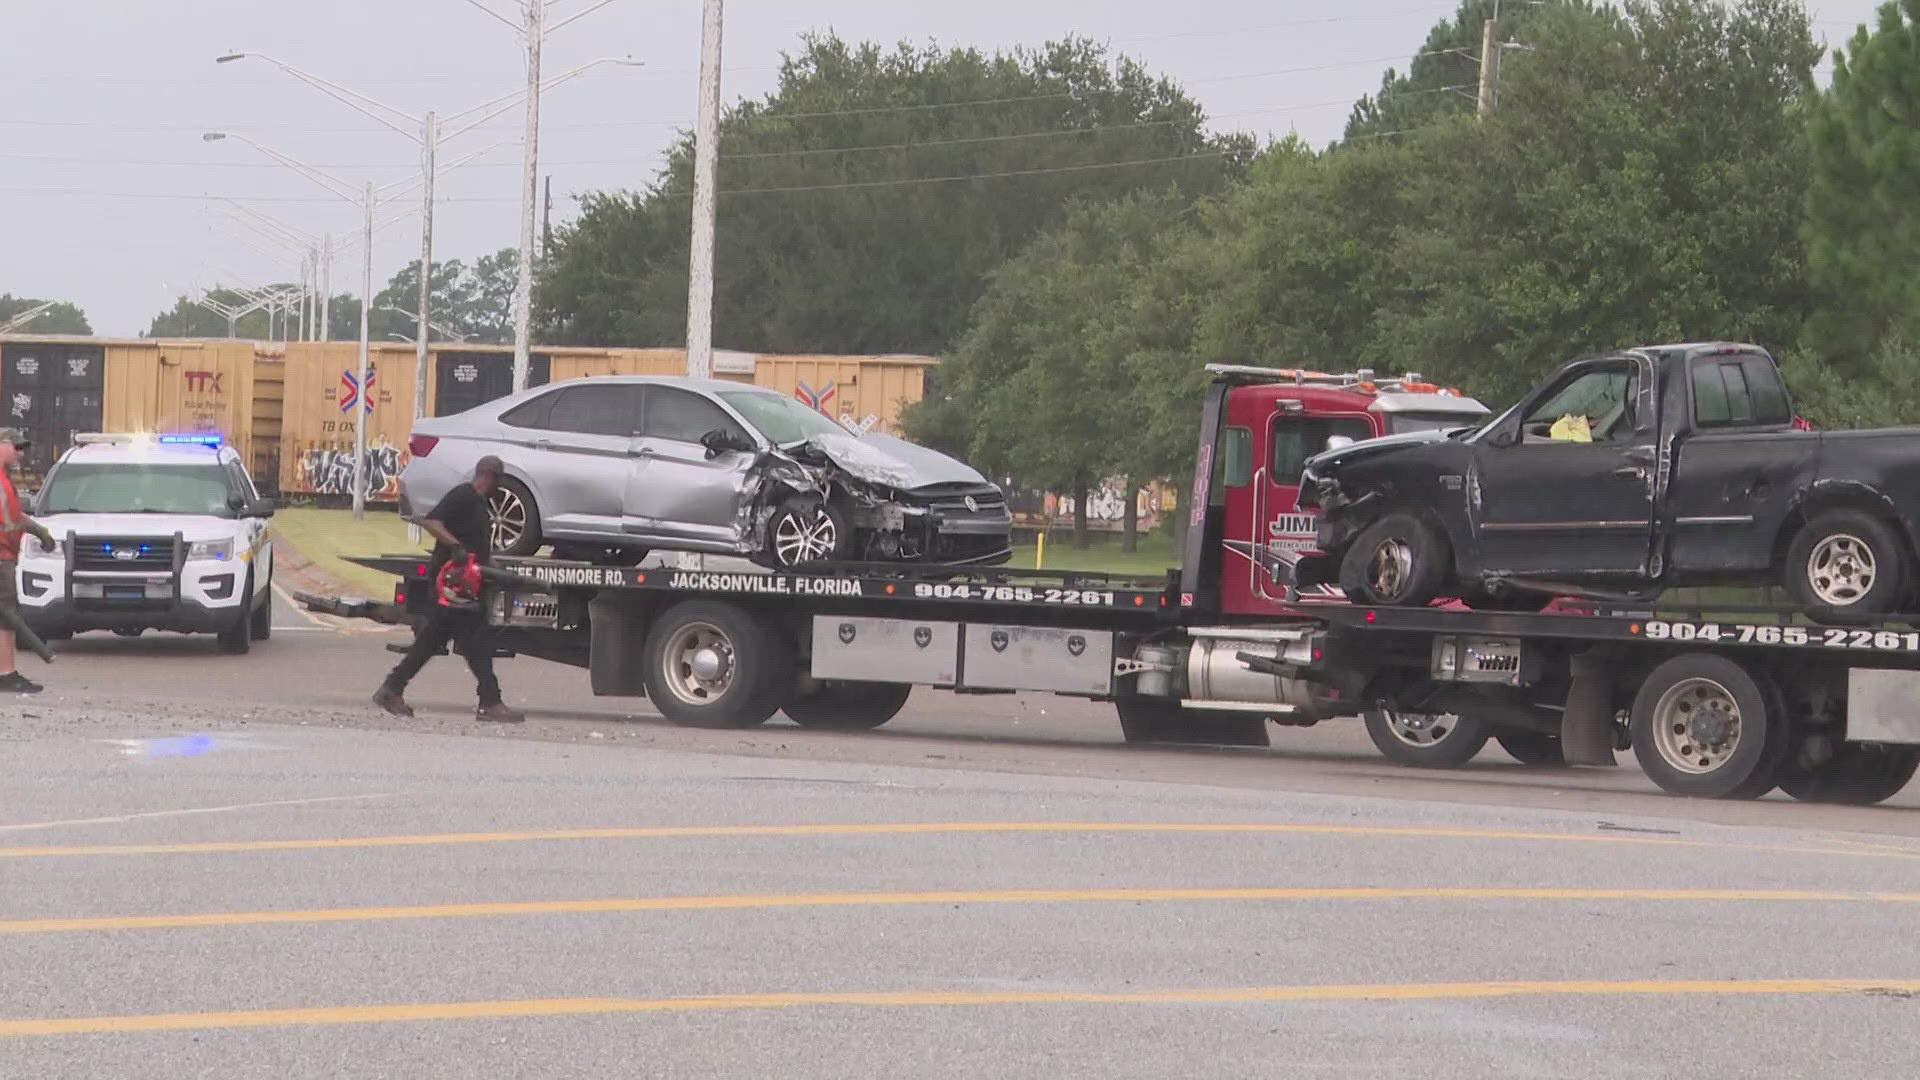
[(119, 819)]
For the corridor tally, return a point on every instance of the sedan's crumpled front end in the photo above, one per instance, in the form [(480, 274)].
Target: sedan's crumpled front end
[(907, 503)]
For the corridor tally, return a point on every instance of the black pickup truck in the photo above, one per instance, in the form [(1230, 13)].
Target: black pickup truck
[(1624, 475)]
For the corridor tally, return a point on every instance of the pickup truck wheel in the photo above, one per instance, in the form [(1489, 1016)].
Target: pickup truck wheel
[(1705, 726), (1159, 720), (1426, 740), (1399, 560), (1858, 775), (516, 519), (1532, 747), (712, 665), (1847, 564), (849, 706)]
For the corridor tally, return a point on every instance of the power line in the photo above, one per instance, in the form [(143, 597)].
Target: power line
[(869, 111)]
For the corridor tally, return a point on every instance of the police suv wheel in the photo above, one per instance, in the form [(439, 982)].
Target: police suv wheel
[(238, 637), (261, 627), (713, 665)]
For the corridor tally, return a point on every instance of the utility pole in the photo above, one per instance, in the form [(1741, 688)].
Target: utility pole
[(705, 162), (523, 288), (546, 219), (430, 138), (1489, 63), (363, 399)]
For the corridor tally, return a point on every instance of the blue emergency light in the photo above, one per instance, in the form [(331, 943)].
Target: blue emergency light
[(212, 439)]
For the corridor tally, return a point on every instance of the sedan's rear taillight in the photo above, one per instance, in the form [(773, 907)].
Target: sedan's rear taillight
[(422, 445)]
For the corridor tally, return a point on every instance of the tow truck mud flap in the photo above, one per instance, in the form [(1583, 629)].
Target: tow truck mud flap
[(1586, 728), (886, 650), (1038, 658), (1880, 706)]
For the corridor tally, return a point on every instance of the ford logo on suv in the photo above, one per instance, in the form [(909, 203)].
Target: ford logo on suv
[(126, 554)]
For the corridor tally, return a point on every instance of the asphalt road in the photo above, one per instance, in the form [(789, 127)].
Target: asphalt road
[(217, 866)]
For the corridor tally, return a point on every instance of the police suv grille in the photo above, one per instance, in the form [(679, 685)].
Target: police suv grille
[(123, 553)]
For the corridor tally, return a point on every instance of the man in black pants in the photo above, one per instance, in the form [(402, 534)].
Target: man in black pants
[(460, 524)]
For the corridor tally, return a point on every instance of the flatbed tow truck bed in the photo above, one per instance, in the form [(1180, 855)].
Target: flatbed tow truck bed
[(1730, 703)]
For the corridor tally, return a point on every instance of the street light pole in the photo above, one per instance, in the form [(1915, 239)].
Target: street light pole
[(523, 286)]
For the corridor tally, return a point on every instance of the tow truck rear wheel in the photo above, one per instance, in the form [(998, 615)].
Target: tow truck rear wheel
[(1426, 740), (848, 706), (1162, 720), (1858, 775), (1706, 726), (237, 638), (713, 665)]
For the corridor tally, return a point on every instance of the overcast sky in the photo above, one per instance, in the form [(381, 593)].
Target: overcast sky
[(111, 198)]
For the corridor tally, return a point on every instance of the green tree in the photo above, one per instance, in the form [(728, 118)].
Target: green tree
[(1639, 182), (1443, 78), (864, 203), (1043, 369), (1863, 201), (61, 318)]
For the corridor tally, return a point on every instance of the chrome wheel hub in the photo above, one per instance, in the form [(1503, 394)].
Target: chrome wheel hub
[(1696, 726), (1390, 567), (698, 664)]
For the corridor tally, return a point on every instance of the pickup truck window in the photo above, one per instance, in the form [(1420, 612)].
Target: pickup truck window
[(1604, 396), (1297, 438), (1737, 392)]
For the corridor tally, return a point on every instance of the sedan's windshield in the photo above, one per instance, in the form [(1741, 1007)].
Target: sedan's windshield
[(124, 488), (782, 420)]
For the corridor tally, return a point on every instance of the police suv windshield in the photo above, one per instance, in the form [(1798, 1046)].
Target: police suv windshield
[(117, 487)]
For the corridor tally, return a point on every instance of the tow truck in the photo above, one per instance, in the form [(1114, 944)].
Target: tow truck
[(1728, 703)]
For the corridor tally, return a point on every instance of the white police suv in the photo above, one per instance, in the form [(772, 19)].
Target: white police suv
[(161, 532)]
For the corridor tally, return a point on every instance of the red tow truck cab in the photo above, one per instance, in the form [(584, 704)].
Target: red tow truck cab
[(1259, 426)]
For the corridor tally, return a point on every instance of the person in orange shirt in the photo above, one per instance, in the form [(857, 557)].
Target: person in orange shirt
[(14, 523)]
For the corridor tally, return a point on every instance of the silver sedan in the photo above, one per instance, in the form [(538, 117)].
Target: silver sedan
[(616, 466)]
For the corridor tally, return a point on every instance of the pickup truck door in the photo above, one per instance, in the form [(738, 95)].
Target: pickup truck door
[(1737, 472), (1547, 505)]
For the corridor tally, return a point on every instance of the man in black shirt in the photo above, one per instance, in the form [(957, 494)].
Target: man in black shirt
[(461, 524)]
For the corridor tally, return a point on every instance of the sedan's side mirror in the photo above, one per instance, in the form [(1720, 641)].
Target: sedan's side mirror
[(720, 441)]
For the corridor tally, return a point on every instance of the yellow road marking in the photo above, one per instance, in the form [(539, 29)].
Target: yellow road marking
[(911, 829), (542, 1007), (893, 899)]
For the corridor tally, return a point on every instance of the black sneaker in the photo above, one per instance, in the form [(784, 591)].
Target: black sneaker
[(15, 683)]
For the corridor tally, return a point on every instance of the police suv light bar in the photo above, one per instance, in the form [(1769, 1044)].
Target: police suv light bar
[(121, 438)]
